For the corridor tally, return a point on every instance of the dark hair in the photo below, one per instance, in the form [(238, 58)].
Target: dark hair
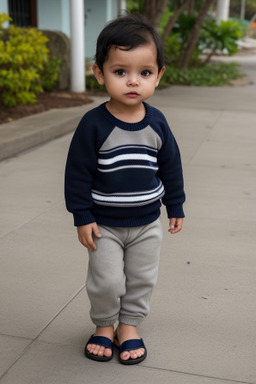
[(128, 31)]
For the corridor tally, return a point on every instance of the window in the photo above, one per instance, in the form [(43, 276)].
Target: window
[(23, 12)]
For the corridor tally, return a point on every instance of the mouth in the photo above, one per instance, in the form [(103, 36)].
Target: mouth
[(132, 94)]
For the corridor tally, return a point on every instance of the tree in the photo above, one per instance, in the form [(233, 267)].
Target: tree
[(169, 26), (154, 10), (195, 33), (250, 9)]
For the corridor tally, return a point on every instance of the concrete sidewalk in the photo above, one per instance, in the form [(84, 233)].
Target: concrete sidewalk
[(201, 329)]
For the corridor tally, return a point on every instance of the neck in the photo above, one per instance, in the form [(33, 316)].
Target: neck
[(129, 114)]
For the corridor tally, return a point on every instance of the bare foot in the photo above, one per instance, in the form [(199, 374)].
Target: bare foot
[(98, 350), (127, 332)]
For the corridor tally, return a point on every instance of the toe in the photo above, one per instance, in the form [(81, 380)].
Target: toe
[(101, 351), (107, 352), (140, 352), (134, 354), (125, 355), (90, 347), (137, 353), (96, 350)]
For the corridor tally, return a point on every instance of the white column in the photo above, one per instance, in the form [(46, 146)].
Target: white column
[(242, 12), (77, 45), (109, 15), (222, 10), (122, 7), (4, 9)]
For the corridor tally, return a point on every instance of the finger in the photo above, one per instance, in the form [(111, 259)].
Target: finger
[(175, 225), (172, 223), (88, 242), (178, 227), (85, 235), (180, 222), (96, 230)]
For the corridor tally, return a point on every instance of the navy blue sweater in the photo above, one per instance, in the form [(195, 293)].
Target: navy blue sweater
[(117, 173)]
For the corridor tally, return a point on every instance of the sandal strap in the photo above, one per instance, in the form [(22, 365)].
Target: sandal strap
[(129, 345), (102, 341)]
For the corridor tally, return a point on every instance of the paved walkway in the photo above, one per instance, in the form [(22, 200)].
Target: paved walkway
[(201, 329)]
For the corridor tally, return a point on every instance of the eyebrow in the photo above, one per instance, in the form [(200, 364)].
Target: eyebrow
[(118, 65)]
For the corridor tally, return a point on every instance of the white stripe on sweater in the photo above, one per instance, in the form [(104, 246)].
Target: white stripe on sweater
[(127, 199), (134, 156)]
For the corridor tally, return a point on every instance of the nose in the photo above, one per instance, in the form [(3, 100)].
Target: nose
[(133, 80)]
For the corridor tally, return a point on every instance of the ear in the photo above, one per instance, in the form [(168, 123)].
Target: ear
[(160, 74), (98, 74)]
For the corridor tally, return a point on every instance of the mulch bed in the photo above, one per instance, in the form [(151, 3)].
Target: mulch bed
[(46, 101)]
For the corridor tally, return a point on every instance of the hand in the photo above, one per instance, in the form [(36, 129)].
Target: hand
[(85, 233), (175, 225)]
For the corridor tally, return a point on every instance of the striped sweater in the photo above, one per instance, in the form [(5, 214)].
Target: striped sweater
[(118, 173)]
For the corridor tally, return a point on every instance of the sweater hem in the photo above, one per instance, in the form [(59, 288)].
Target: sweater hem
[(128, 222)]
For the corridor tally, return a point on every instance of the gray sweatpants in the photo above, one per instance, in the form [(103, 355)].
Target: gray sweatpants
[(122, 273)]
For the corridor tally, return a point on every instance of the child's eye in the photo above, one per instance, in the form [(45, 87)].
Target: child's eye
[(145, 73), (120, 72)]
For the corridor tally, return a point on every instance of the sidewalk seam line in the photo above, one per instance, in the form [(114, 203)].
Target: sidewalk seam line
[(203, 141), (198, 375), (27, 348), (48, 209)]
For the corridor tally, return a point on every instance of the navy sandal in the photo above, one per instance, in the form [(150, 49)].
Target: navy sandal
[(130, 345), (103, 342)]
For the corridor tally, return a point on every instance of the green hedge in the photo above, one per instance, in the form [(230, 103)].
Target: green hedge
[(209, 75), (26, 68)]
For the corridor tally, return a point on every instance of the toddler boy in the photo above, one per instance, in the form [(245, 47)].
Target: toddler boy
[(122, 162)]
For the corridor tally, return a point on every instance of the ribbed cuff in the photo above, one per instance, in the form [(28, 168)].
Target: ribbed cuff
[(135, 321), (104, 323), (83, 218), (175, 211)]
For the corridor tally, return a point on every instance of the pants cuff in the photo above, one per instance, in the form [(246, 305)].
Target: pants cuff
[(135, 321), (104, 323)]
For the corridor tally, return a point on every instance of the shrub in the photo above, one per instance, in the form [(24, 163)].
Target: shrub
[(49, 74), (223, 37), (25, 65), (208, 75), (92, 84), (212, 38), (177, 42)]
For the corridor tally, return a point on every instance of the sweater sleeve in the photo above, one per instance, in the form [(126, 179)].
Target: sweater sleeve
[(81, 165), (170, 172)]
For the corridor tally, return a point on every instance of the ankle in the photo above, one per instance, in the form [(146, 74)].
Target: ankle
[(126, 332), (126, 327), (105, 331)]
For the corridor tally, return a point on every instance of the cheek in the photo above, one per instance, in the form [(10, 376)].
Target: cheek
[(113, 86), (115, 81), (150, 86)]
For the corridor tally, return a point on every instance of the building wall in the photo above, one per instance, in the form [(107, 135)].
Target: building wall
[(4, 9), (95, 19), (49, 14), (4, 6), (65, 19), (53, 15)]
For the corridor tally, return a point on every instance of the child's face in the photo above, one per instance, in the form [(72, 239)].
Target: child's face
[(130, 77)]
